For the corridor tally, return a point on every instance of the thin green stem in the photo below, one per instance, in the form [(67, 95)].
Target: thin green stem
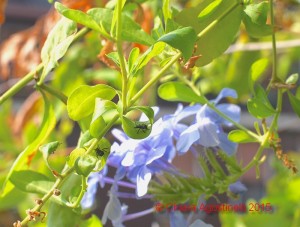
[(154, 79), (53, 91), (121, 55), (274, 65), (21, 83)]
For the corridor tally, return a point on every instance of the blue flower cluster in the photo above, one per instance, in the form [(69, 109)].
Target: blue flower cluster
[(139, 160)]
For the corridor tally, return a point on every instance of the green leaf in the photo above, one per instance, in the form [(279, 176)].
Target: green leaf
[(98, 122), (213, 38), (84, 165), (260, 106), (93, 221), (240, 136), (57, 44), (177, 91), (131, 31), (153, 51), (295, 103), (138, 129), (81, 102), (254, 19), (133, 56), (257, 70), (115, 15), (182, 39), (24, 158), (292, 79), (209, 9), (74, 155), (65, 217), (47, 150), (114, 56), (77, 16), (30, 181)]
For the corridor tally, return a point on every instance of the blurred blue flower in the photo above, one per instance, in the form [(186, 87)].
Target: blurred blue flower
[(237, 188), (207, 129)]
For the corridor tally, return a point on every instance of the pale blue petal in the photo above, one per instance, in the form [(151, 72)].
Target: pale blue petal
[(128, 159), (177, 219), (226, 92), (88, 200), (155, 154), (237, 188), (208, 133), (227, 146), (113, 210), (187, 138), (230, 110), (200, 223), (142, 181)]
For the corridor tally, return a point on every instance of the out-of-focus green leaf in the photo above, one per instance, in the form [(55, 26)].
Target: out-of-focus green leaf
[(153, 51), (131, 31), (177, 91), (257, 70), (47, 150), (292, 79), (133, 56), (57, 44), (65, 217), (25, 157), (295, 103), (182, 39), (254, 19), (77, 16), (209, 9), (30, 181), (259, 106), (81, 102), (209, 43), (240, 136)]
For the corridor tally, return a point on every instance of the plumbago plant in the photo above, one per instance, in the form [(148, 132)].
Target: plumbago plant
[(142, 149)]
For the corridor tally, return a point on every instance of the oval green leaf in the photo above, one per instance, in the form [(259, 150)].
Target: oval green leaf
[(84, 165), (81, 102), (240, 136), (177, 91)]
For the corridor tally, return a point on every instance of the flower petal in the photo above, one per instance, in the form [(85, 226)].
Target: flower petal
[(226, 92), (208, 133), (226, 145), (187, 138), (230, 110), (142, 181)]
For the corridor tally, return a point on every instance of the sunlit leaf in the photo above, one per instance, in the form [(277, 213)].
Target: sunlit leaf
[(93, 221), (212, 27), (254, 19), (292, 79), (131, 31), (81, 102), (259, 106), (57, 44), (74, 155), (77, 16), (84, 165), (177, 91), (240, 136), (182, 39), (206, 12)]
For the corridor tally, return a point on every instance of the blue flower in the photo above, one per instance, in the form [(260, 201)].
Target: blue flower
[(207, 129), (140, 159), (237, 188)]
